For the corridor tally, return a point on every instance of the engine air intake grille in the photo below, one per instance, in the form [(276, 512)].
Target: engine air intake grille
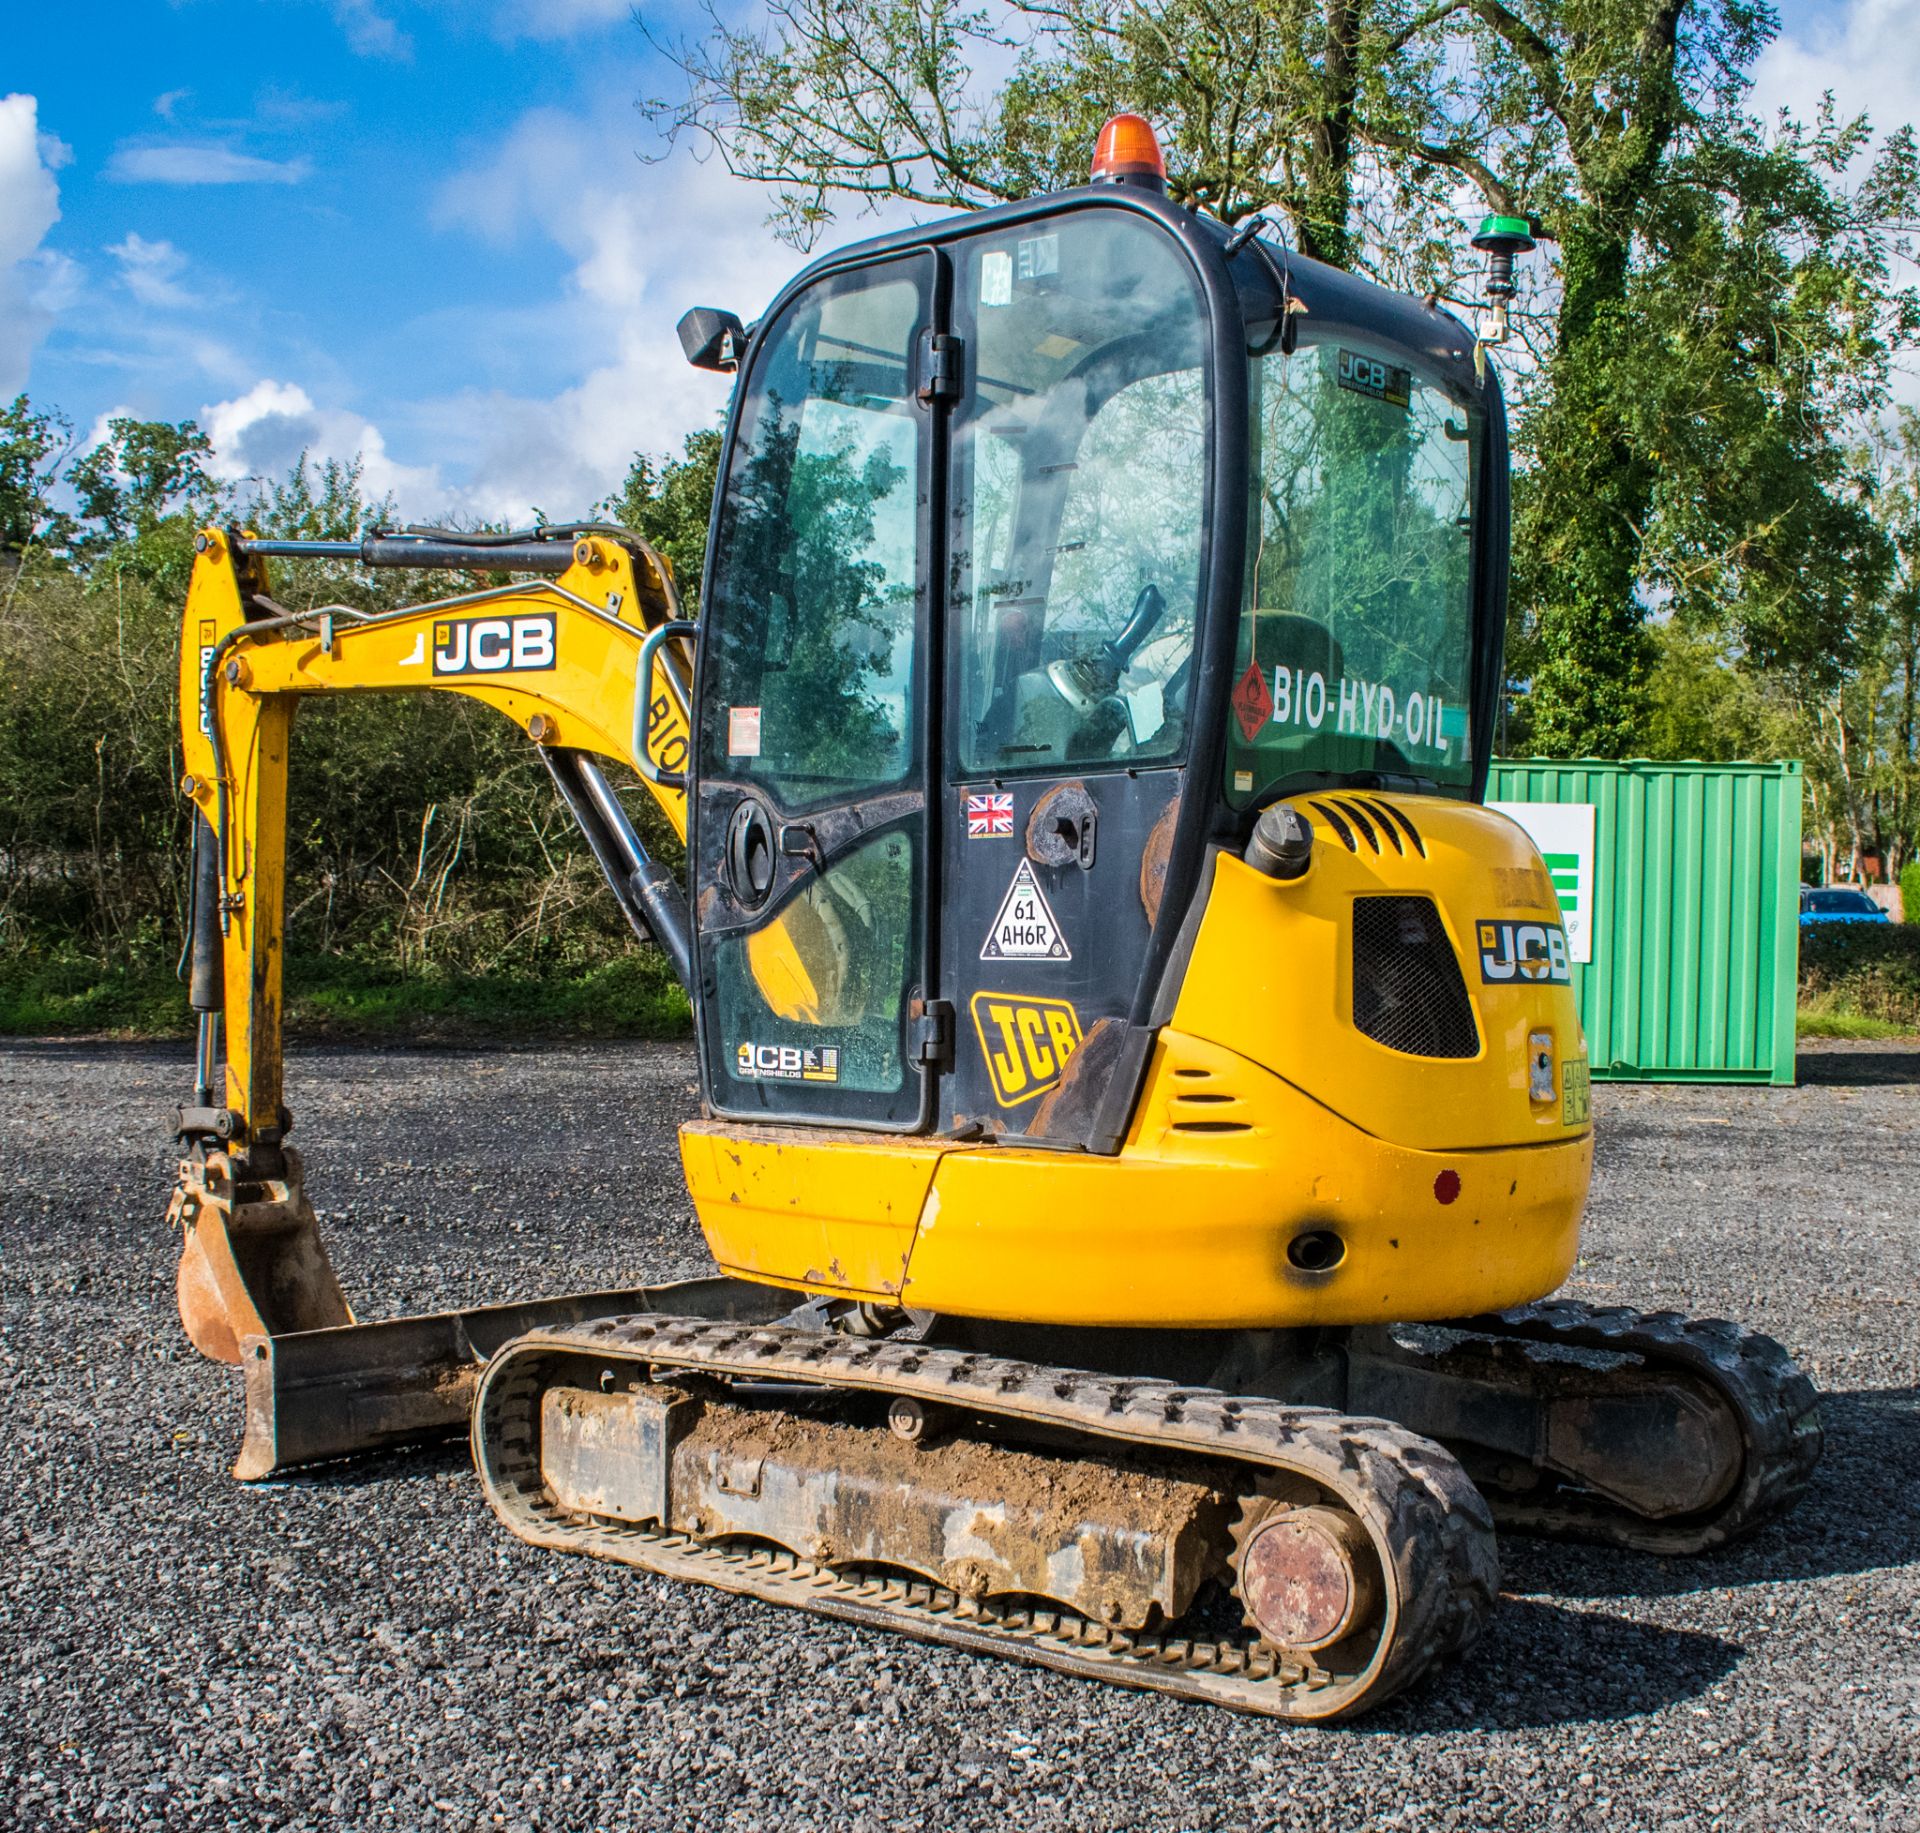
[(1408, 993)]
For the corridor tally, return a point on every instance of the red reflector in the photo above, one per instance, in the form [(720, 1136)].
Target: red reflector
[(1446, 1186), (1127, 149)]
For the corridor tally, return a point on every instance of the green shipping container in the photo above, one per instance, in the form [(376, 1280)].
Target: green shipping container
[(1680, 884)]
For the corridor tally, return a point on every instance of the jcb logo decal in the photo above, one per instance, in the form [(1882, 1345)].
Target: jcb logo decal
[(493, 645), (1367, 375), (1531, 953), (1026, 1043)]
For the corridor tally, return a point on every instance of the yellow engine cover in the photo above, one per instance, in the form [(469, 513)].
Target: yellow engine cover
[(1283, 1166)]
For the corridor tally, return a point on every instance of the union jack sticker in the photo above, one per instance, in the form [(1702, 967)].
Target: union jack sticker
[(990, 817)]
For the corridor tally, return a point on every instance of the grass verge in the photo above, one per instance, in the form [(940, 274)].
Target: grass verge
[(1816, 1021), (630, 996)]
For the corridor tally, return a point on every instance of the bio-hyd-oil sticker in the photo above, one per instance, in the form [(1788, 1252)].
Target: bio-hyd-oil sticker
[(743, 731), (1025, 930)]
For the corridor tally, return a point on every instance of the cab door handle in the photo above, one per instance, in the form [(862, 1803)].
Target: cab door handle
[(799, 841)]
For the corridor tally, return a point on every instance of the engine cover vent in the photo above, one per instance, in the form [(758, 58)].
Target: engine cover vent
[(1408, 993)]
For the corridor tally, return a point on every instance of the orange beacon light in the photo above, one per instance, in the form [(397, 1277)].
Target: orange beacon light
[(1127, 153)]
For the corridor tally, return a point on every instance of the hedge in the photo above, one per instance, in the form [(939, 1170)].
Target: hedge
[(1869, 968)]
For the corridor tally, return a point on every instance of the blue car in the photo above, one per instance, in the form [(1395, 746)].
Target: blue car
[(1839, 904)]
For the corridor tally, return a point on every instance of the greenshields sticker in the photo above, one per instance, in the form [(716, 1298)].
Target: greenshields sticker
[(1576, 1093)]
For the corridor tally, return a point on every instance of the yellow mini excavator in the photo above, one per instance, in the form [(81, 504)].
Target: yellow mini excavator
[(1143, 1106)]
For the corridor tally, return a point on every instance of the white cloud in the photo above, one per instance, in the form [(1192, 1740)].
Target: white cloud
[(263, 433), (165, 105), (183, 162), (557, 18), (645, 241), (103, 424), (150, 270), (370, 33), (630, 246), (1863, 51), (34, 280)]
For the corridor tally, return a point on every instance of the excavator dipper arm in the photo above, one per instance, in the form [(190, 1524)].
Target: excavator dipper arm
[(591, 658)]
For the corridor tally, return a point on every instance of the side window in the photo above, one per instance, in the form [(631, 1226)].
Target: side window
[(1355, 646), (1079, 495), (811, 675)]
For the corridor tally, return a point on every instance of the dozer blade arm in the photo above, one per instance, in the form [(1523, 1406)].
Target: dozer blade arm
[(563, 655)]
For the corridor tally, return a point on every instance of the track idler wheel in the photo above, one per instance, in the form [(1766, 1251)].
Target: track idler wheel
[(1307, 1578)]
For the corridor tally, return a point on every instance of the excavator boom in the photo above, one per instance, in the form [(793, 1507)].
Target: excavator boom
[(586, 655)]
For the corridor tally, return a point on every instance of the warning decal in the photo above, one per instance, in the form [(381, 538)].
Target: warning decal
[(1252, 704), (1025, 930)]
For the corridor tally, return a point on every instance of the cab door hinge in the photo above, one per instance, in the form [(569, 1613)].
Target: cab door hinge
[(940, 353), (930, 1029)]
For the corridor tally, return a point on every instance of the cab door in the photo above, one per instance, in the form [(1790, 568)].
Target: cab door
[(810, 828), (1080, 509)]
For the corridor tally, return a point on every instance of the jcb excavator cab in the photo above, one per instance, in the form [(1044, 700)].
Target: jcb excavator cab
[(1117, 1017), (1052, 545)]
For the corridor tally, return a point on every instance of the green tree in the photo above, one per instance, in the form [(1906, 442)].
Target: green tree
[(1262, 105), (143, 491), (1726, 310), (669, 501), (32, 447), (141, 473), (1719, 307)]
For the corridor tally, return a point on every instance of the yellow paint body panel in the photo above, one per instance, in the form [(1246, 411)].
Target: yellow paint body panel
[(1191, 1228), (1266, 1114), (1272, 977), (799, 1206)]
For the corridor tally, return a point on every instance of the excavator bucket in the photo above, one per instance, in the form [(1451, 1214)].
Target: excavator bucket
[(256, 1288), (251, 1261)]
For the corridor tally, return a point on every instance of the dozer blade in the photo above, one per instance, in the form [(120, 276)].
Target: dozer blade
[(319, 1394)]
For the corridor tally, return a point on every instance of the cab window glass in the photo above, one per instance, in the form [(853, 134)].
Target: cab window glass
[(811, 999), (809, 683), (1356, 641), (1079, 494)]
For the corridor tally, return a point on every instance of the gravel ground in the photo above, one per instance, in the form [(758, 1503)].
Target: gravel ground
[(365, 1648)]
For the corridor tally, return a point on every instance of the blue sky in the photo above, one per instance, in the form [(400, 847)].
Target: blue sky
[(420, 229)]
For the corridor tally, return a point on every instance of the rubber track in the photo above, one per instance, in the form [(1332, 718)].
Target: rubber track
[(1426, 1519), (1777, 1406)]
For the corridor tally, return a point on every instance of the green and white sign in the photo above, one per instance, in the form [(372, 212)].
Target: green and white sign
[(1563, 831)]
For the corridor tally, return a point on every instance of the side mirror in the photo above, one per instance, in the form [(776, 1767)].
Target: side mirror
[(713, 339)]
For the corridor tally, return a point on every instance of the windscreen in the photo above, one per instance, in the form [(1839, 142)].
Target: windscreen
[(1355, 645)]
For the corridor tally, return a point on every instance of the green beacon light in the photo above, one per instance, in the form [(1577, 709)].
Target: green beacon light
[(1501, 238)]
